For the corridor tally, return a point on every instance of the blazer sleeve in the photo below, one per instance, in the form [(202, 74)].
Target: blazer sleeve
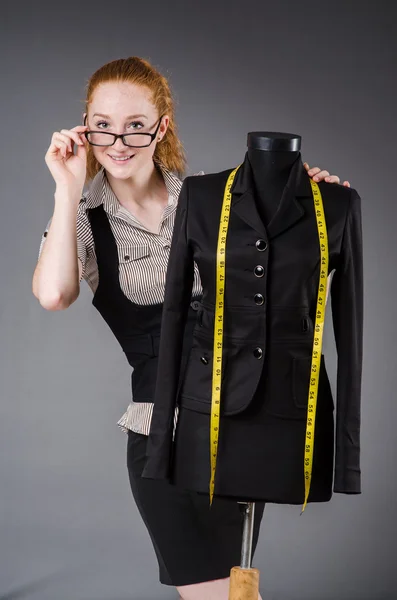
[(178, 292), (347, 315)]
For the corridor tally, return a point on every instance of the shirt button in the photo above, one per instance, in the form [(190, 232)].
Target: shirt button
[(126, 257), (261, 245), (259, 271), (259, 299), (258, 353), (204, 360)]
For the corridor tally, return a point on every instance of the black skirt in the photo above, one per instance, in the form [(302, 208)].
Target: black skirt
[(193, 542)]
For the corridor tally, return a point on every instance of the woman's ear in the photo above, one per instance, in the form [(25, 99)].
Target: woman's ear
[(165, 121), (84, 118)]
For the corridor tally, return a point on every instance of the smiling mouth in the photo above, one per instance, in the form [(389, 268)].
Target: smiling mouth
[(121, 159)]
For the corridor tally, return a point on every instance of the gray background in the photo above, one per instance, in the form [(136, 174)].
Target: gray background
[(326, 70)]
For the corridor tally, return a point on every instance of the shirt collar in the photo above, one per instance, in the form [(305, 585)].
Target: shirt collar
[(100, 191)]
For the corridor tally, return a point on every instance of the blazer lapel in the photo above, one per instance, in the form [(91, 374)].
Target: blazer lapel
[(243, 198), (289, 210)]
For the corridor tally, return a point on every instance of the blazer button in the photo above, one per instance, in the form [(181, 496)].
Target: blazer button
[(259, 271), (258, 352), (195, 305), (261, 245), (259, 299), (204, 360)]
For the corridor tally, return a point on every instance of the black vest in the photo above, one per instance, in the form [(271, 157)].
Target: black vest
[(135, 326)]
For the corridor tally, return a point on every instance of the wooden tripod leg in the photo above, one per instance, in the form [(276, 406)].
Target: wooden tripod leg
[(244, 581)]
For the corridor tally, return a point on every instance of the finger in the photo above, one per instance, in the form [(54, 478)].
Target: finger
[(84, 139), (65, 138), (332, 179), (313, 171), (73, 135), (57, 149), (81, 151), (79, 128), (321, 176), (305, 164), (63, 149), (346, 184), (56, 145)]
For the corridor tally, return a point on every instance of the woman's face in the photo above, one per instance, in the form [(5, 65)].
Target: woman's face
[(124, 107)]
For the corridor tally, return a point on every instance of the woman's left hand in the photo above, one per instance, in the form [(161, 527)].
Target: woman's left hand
[(318, 175)]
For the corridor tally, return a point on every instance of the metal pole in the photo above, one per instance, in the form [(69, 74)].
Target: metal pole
[(244, 580), (248, 532)]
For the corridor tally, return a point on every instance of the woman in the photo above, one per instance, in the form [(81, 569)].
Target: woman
[(117, 237)]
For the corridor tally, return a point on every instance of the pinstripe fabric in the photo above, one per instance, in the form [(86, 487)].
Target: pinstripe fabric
[(143, 259)]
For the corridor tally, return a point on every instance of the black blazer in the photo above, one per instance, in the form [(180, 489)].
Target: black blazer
[(270, 300)]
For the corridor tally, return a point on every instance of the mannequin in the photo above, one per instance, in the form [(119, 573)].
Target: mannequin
[(271, 283), (271, 156)]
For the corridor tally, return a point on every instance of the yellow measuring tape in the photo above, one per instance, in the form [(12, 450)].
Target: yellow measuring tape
[(318, 337), (219, 326)]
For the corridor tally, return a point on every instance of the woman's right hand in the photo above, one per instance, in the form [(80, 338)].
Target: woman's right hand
[(68, 169)]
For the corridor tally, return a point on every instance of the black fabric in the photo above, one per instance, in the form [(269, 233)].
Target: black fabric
[(193, 541), (268, 341), (136, 327)]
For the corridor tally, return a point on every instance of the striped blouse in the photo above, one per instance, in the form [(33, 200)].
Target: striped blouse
[(143, 259)]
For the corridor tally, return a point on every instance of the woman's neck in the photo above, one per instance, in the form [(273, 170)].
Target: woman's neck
[(147, 185)]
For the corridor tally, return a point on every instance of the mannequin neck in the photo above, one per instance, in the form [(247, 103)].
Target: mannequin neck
[(271, 169), (271, 156)]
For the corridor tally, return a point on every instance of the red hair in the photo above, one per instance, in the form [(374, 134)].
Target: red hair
[(169, 151)]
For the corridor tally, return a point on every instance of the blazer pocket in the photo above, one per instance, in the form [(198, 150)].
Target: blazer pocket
[(286, 385), (196, 387), (240, 375), (301, 373)]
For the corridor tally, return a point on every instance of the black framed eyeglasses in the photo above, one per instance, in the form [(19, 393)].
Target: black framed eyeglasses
[(133, 140)]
